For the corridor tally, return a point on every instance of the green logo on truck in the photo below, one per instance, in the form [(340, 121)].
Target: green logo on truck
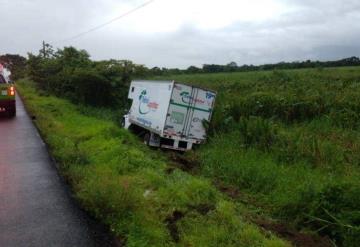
[(145, 105)]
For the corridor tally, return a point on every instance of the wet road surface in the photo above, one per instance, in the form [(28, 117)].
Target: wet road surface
[(35, 205)]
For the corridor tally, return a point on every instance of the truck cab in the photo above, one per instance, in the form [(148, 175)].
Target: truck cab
[(7, 95)]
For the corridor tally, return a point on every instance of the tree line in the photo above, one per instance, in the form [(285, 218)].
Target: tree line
[(17, 64), (70, 73)]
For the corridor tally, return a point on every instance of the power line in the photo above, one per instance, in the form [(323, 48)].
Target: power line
[(106, 23)]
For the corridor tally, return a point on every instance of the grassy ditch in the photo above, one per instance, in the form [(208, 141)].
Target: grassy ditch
[(129, 187)]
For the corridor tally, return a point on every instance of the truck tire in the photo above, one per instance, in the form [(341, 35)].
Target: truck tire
[(147, 138)]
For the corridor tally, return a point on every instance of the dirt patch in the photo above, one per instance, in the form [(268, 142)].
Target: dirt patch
[(169, 170), (203, 209), (184, 163), (230, 191), (171, 220), (120, 242), (293, 236), (171, 224)]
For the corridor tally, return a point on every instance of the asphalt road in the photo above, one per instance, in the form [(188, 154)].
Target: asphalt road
[(36, 208)]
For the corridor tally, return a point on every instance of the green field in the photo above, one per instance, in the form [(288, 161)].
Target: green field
[(289, 142), (281, 165)]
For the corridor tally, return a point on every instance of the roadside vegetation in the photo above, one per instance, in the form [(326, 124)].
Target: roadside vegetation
[(137, 192), (282, 159)]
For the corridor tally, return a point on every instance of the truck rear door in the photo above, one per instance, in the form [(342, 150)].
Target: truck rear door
[(189, 107), (178, 111), (202, 104)]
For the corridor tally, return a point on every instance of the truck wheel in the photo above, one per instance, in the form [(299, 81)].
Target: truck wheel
[(147, 138)]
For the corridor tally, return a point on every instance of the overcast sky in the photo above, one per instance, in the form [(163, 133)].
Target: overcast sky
[(180, 33)]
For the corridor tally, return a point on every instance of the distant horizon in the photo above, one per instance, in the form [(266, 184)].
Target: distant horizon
[(201, 66)]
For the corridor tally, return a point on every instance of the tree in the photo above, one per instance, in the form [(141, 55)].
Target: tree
[(91, 88), (213, 68), (156, 71), (47, 51), (232, 64), (193, 70), (231, 67), (72, 58), (34, 68), (15, 63)]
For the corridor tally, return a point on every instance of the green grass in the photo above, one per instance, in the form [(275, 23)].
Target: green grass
[(290, 141), (128, 187), (287, 141)]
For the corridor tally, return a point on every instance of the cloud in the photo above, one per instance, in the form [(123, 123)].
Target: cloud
[(174, 33)]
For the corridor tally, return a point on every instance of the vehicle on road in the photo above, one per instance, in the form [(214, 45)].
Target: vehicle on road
[(169, 114), (7, 94)]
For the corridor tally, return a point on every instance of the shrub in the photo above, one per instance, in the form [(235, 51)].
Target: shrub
[(69, 73), (92, 88)]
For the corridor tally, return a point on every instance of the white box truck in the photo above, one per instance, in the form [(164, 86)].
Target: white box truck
[(169, 114)]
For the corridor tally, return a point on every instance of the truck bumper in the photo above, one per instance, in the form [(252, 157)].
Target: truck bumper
[(176, 145), (7, 107), (175, 148)]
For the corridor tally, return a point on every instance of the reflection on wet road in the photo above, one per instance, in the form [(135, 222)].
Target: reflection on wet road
[(35, 206)]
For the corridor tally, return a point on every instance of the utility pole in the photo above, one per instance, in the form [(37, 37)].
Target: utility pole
[(44, 49)]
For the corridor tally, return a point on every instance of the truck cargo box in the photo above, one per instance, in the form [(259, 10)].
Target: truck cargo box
[(171, 110)]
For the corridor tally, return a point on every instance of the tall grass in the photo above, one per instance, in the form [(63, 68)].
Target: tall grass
[(289, 140)]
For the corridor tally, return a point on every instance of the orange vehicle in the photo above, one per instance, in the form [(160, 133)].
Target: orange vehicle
[(7, 95)]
